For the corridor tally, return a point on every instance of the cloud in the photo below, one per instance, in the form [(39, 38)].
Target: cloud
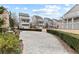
[(18, 8), (67, 9), (67, 5), (24, 8), (52, 6), (6, 6), (48, 10)]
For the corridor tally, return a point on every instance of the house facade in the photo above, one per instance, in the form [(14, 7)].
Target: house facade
[(24, 21), (56, 23), (37, 22), (48, 23), (71, 19)]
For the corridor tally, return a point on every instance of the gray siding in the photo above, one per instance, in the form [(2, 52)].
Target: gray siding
[(76, 25)]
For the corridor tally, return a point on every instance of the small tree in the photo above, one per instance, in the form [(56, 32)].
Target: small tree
[(1, 20), (46, 25), (1, 23), (11, 21), (1, 9)]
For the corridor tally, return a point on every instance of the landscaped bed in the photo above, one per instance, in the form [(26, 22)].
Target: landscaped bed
[(9, 44), (71, 39)]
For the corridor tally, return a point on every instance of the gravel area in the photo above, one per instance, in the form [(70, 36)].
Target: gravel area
[(41, 43)]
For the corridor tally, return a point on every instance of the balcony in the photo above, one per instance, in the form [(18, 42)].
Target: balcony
[(21, 17), (25, 23)]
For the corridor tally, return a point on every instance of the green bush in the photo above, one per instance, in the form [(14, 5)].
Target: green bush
[(0, 29), (71, 39), (9, 44), (1, 9), (32, 29)]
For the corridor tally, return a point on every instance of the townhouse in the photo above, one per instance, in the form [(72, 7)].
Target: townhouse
[(48, 23), (70, 20), (37, 22), (24, 21)]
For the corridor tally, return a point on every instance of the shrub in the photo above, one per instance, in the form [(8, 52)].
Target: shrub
[(1, 9), (32, 29), (71, 39), (0, 29), (9, 43)]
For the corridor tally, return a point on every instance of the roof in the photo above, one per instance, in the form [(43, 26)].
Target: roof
[(39, 17), (73, 12), (24, 14), (47, 18)]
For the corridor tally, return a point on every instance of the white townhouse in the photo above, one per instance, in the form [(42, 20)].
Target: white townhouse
[(48, 23), (56, 23), (70, 20), (37, 22), (24, 21)]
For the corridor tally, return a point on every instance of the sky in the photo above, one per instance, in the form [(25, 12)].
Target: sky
[(44, 10)]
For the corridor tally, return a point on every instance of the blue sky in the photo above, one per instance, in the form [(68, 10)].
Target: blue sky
[(44, 10)]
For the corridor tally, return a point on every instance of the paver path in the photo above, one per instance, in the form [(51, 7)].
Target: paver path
[(41, 42)]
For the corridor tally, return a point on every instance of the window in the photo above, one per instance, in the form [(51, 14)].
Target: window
[(25, 20), (40, 22)]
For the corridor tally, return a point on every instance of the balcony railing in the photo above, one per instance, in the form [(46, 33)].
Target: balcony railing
[(24, 23), (21, 17)]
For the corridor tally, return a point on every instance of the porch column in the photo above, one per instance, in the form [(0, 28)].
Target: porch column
[(72, 23), (63, 24), (67, 24)]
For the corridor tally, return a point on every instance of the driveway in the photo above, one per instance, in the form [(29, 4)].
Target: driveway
[(42, 43)]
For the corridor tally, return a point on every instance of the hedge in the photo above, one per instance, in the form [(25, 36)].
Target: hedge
[(9, 44), (71, 39), (0, 29), (32, 29)]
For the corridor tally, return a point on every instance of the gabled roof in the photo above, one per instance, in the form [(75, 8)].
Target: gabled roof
[(39, 17), (47, 18), (24, 14), (73, 12)]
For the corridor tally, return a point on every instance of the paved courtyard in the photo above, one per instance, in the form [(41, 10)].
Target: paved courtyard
[(41, 43)]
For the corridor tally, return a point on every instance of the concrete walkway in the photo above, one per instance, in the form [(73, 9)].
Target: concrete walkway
[(41, 43)]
